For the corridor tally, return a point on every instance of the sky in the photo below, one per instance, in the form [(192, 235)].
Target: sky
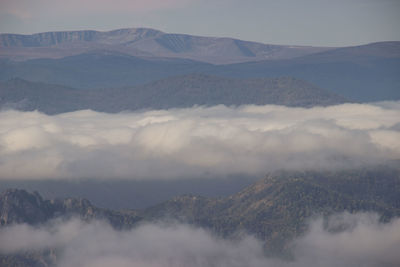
[(292, 22)]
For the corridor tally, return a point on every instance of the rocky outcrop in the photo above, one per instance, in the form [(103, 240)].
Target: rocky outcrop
[(20, 206)]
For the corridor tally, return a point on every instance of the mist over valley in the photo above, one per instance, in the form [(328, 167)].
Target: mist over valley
[(144, 146)]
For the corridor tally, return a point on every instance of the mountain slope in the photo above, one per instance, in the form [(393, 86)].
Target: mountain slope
[(98, 69), (23, 95), (277, 208), (19, 206), (362, 73), (145, 42), (274, 209), (175, 92), (199, 89)]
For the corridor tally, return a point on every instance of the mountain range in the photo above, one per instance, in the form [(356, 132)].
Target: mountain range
[(275, 209), (145, 42), (147, 69), (131, 57)]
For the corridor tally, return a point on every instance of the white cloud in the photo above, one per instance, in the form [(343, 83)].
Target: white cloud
[(185, 143), (97, 244), (362, 241)]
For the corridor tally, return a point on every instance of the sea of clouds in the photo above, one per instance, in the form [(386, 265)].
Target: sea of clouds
[(195, 142), (362, 241)]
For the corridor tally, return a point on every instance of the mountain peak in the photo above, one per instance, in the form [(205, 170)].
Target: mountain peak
[(20, 206), (145, 41)]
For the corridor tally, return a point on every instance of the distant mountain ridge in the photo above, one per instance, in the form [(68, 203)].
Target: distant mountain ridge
[(136, 56), (174, 92), (145, 42), (362, 73), (45, 39)]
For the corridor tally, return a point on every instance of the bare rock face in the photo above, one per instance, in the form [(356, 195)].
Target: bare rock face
[(19, 206)]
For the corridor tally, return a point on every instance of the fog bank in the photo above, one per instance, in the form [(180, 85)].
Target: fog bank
[(361, 241), (196, 142)]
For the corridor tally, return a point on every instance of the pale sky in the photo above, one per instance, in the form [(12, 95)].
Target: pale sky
[(296, 22)]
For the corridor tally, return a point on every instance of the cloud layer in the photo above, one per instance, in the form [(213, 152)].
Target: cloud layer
[(362, 241), (196, 142)]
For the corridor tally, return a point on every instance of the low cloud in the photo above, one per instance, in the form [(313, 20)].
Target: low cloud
[(196, 142), (350, 240), (97, 244), (361, 241)]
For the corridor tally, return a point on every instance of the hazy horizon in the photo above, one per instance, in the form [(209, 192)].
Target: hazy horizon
[(340, 23), (198, 35)]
